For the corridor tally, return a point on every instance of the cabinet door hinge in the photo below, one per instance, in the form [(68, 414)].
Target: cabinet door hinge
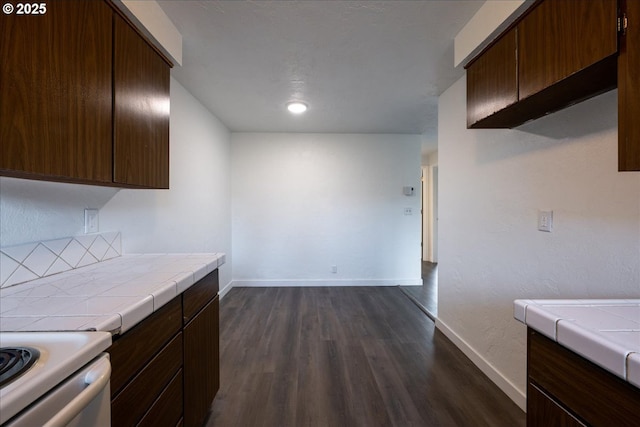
[(622, 24)]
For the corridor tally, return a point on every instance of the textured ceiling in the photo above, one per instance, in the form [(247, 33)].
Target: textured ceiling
[(361, 66)]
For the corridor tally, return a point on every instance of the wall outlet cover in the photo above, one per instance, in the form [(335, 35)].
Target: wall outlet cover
[(90, 221)]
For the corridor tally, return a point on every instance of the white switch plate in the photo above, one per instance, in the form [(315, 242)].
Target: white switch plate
[(90, 221), (545, 221)]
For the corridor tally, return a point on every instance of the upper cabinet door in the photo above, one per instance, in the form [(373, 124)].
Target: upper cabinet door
[(141, 111), (629, 91), (561, 37), (492, 82), (56, 92)]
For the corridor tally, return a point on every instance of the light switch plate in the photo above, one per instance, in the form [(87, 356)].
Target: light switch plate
[(545, 221)]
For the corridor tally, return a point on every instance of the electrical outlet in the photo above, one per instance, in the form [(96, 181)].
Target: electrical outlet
[(408, 211), (334, 269), (545, 221), (90, 221)]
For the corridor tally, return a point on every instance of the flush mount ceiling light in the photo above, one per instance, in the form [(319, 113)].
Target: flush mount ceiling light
[(296, 107)]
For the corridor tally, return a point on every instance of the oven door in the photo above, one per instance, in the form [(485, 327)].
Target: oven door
[(84, 399)]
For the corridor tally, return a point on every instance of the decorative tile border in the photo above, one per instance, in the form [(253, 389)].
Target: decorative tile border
[(32, 261)]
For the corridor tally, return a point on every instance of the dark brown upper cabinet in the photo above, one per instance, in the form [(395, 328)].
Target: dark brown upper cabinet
[(56, 101), (141, 111), (559, 53), (566, 51), (64, 114), (492, 81), (560, 40), (629, 88)]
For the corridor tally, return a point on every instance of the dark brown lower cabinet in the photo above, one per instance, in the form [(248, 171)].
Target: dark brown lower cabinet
[(547, 412), (566, 390), (200, 309), (167, 409), (202, 373), (165, 370), (139, 395)]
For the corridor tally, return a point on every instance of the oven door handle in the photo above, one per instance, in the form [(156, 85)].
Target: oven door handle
[(96, 380)]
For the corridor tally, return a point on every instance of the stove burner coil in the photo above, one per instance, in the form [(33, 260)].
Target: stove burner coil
[(14, 361)]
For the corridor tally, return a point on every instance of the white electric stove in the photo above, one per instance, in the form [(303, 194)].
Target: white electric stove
[(69, 378)]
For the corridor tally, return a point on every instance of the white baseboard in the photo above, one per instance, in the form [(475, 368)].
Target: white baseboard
[(321, 282), (225, 289), (510, 389)]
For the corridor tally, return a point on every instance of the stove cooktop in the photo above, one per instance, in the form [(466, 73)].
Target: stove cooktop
[(15, 361)]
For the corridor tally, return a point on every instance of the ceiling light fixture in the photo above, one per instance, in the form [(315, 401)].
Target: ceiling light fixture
[(296, 107)]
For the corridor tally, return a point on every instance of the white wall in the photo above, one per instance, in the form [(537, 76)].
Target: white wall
[(492, 184), (305, 202), (33, 211), (193, 216)]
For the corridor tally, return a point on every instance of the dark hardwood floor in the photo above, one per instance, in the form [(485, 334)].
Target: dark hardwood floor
[(345, 356), (426, 296)]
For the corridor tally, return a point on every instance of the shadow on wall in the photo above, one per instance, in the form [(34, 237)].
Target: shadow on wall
[(593, 116)]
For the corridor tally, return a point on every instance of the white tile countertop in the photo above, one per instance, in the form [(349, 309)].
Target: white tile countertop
[(606, 332), (110, 296)]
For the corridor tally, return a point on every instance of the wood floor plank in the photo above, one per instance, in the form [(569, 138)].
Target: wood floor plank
[(360, 356), (398, 403)]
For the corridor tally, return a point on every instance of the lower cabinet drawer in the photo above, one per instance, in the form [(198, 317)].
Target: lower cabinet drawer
[(167, 409), (133, 350), (544, 411), (130, 405), (199, 295)]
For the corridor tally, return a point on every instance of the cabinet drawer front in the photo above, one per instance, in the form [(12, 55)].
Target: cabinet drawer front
[(130, 405), (131, 352), (198, 295), (167, 409), (544, 411), (599, 397)]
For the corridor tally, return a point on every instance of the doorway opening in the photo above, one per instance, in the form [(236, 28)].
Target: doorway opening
[(426, 296)]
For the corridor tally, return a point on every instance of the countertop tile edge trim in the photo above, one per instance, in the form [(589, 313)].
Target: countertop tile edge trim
[(591, 344), (594, 347)]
